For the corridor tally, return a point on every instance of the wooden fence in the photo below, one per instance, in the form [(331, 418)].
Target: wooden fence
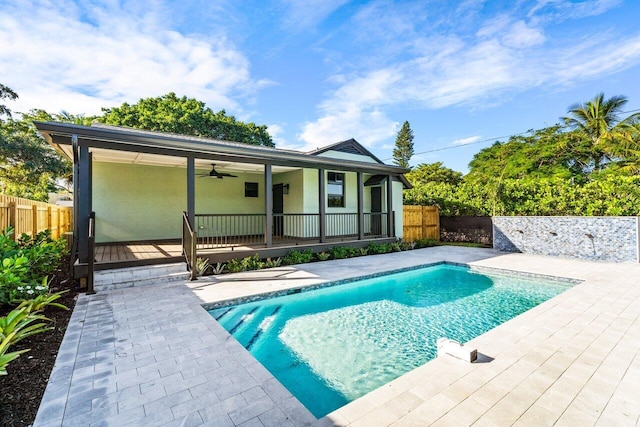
[(420, 222), (31, 217)]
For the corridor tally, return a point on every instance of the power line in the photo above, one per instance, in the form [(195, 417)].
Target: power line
[(451, 147)]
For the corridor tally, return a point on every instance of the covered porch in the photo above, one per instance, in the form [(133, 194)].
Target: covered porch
[(148, 197)]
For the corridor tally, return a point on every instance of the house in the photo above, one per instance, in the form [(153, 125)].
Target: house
[(218, 199)]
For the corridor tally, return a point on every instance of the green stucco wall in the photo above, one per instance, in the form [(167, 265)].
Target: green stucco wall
[(134, 202), (138, 202)]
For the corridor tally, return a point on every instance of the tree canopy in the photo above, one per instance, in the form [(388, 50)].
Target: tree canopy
[(403, 150), (587, 165), (29, 167), (6, 93), (187, 116)]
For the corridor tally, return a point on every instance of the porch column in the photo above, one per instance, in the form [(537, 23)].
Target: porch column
[(191, 190), (322, 211), (360, 206), (84, 202), (390, 223), (268, 206)]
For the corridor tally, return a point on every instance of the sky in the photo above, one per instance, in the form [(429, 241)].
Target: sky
[(462, 73)]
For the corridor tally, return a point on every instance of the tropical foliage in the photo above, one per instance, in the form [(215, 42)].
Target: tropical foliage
[(26, 264), (588, 165), (187, 116)]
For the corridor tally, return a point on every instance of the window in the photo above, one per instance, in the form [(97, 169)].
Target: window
[(335, 190), (250, 189)]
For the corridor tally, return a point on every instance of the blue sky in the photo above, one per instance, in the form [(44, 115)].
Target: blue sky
[(321, 71)]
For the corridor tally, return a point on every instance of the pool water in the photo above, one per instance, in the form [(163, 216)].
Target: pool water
[(332, 345)]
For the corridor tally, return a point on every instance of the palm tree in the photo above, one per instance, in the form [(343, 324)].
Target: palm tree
[(599, 120)]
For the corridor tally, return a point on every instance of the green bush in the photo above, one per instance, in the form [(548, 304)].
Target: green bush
[(338, 252), (245, 264), (26, 263), (425, 243), (297, 257), (323, 256), (379, 248)]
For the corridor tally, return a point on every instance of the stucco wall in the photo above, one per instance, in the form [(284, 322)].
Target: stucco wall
[(135, 202), (613, 239)]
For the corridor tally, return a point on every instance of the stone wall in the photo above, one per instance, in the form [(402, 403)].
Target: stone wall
[(614, 239)]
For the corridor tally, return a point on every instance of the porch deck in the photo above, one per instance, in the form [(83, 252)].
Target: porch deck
[(119, 255)]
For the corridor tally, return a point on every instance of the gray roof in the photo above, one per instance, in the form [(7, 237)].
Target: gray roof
[(137, 140)]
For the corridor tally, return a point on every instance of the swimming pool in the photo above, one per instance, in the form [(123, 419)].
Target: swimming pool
[(332, 345)]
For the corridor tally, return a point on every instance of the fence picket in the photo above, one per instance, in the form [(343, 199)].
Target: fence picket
[(420, 222), (30, 217)]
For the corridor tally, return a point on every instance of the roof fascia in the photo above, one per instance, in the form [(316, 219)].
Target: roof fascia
[(351, 141), (126, 140)]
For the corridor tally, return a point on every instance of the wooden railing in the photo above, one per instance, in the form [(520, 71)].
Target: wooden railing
[(189, 240), (31, 217), (92, 253)]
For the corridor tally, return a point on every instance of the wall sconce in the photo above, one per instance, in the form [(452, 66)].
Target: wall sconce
[(285, 189)]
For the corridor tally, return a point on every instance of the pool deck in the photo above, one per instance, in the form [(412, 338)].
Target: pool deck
[(152, 356)]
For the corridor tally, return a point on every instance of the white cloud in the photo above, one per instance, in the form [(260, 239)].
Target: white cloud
[(55, 58), (366, 126), (520, 35), (307, 14), (473, 68), (567, 9), (466, 141)]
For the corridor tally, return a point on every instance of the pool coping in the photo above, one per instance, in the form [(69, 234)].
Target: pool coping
[(119, 357)]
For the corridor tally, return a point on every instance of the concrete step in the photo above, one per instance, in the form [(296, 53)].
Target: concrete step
[(139, 276)]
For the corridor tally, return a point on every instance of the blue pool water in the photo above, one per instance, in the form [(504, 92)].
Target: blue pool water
[(332, 345)]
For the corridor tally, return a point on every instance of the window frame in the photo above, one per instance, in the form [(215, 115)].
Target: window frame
[(340, 199)]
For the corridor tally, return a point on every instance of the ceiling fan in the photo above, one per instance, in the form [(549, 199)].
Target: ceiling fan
[(215, 174)]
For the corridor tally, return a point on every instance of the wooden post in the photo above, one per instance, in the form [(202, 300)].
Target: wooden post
[(49, 221), (13, 217), (59, 230), (34, 227)]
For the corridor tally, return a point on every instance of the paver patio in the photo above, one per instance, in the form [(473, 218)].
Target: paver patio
[(151, 355)]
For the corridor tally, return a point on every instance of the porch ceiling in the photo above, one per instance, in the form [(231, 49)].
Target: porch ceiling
[(130, 157)]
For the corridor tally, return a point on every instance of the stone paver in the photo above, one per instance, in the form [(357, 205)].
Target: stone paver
[(151, 355)]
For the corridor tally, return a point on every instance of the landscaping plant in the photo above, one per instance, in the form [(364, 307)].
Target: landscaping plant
[(26, 263)]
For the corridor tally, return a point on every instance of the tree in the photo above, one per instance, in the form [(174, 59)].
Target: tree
[(6, 93), (426, 173), (29, 167), (404, 146), (188, 116), (599, 121)]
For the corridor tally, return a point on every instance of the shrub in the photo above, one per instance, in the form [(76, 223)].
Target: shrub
[(271, 263), (26, 263), (297, 257), (379, 248), (425, 243), (323, 256), (234, 266), (202, 265), (338, 252)]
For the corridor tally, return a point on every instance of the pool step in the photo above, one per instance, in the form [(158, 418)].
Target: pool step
[(245, 325), (139, 276)]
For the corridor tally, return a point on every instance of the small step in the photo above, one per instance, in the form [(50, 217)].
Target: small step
[(139, 276)]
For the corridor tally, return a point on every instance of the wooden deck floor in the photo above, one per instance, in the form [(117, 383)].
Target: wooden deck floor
[(133, 252)]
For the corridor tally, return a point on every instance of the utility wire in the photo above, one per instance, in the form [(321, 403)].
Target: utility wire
[(451, 147)]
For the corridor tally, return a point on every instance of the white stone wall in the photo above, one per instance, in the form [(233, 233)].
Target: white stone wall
[(614, 239)]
